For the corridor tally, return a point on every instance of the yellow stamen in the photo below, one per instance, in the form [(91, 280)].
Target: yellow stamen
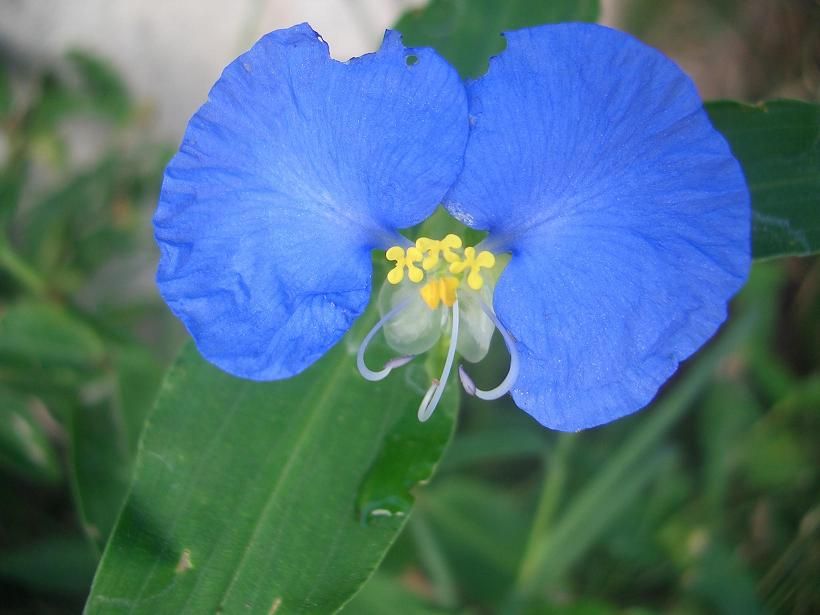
[(404, 259), (441, 290), (436, 248), (473, 262)]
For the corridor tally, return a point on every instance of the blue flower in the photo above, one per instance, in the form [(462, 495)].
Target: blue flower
[(287, 178), (618, 221), (592, 162)]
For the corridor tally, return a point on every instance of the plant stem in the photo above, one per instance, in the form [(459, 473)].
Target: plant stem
[(555, 475), (434, 562)]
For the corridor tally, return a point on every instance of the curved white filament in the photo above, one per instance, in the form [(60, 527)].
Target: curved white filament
[(436, 390), (512, 374), (366, 372), (424, 414)]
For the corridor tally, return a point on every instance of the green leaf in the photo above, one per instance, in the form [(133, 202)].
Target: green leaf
[(103, 89), (12, 179), (410, 452), (55, 103), (103, 440), (86, 86), (245, 493), (139, 375), (100, 466), (93, 216), (47, 224), (467, 32), (38, 336), (778, 145), (24, 445)]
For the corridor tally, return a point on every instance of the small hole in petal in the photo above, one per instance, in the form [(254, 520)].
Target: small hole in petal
[(411, 60)]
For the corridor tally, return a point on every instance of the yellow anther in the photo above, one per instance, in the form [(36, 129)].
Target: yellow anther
[(436, 248), (404, 259), (441, 290), (473, 262)]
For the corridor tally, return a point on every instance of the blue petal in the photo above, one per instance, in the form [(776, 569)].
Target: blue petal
[(295, 168), (592, 161)]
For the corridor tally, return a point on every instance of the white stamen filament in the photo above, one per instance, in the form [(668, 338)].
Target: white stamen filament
[(425, 401), (369, 374), (512, 374), (436, 390)]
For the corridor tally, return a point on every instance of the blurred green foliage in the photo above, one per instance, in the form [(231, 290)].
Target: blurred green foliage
[(77, 312), (468, 33), (708, 502)]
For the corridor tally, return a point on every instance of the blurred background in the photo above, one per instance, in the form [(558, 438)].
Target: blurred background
[(170, 53), (94, 97)]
